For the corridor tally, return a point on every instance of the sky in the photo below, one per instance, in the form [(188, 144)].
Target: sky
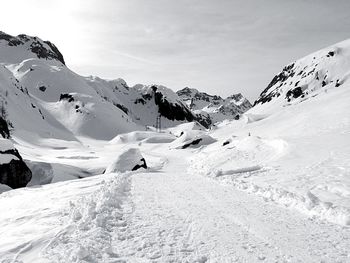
[(218, 46)]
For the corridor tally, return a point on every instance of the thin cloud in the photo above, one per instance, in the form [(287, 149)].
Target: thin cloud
[(137, 58)]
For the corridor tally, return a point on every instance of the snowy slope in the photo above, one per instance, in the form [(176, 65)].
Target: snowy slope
[(306, 78), (59, 103), (273, 186), (174, 211), (217, 108)]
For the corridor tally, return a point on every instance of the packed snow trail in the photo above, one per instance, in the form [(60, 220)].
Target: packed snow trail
[(187, 218), (163, 216)]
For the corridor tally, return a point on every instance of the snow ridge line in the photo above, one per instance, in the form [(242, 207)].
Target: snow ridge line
[(91, 223)]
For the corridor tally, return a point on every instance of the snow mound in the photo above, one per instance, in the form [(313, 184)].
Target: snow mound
[(192, 139), (160, 138), (240, 155), (137, 136), (129, 160), (186, 127)]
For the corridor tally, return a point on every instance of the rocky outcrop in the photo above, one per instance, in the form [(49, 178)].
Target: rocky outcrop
[(308, 76), (42, 49), (4, 130), (13, 170), (14, 173)]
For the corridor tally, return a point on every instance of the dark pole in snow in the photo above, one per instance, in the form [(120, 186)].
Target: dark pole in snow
[(158, 123)]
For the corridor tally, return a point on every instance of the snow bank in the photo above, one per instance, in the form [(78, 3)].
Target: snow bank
[(192, 139), (307, 203), (129, 160), (249, 164), (144, 136)]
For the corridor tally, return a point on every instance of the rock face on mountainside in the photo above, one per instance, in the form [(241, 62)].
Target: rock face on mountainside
[(36, 46), (305, 78), (59, 103), (13, 170), (214, 106)]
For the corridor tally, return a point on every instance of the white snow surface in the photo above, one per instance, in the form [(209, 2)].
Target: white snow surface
[(126, 161), (271, 187), (278, 195)]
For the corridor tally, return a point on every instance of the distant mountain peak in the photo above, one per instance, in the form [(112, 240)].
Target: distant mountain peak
[(215, 106)]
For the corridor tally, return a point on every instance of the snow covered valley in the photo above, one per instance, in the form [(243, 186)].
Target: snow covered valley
[(272, 185), (273, 196)]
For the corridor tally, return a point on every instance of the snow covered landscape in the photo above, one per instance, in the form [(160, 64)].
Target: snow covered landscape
[(96, 170)]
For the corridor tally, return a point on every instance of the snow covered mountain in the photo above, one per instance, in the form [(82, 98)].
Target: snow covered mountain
[(306, 78), (272, 186), (217, 108), (59, 103)]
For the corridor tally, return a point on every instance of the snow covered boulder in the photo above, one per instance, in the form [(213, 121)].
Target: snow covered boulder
[(13, 170), (192, 139), (129, 160)]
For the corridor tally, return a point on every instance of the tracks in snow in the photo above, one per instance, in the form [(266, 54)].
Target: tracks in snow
[(171, 216)]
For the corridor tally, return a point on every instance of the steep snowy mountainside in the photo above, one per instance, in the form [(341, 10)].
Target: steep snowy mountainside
[(61, 104), (216, 107), (57, 103), (16, 49), (306, 78), (144, 103)]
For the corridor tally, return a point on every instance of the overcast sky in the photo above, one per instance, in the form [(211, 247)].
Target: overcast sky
[(218, 46)]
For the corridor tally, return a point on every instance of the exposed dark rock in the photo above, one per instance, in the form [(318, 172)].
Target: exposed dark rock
[(42, 88), (204, 120), (12, 41), (225, 143), (67, 97), (142, 165), (171, 111), (330, 54), (194, 142), (122, 107), (295, 93), (142, 101), (283, 76), (59, 55), (337, 84), (147, 96), (4, 130), (15, 173), (36, 46)]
